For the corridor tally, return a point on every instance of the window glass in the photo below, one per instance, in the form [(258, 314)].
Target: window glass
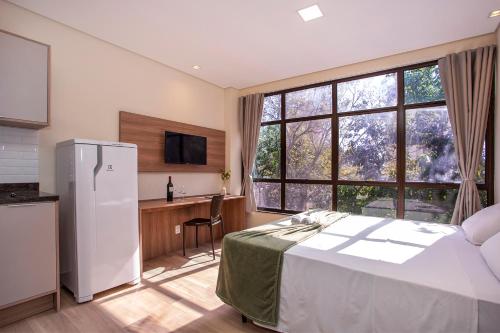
[(368, 93), (367, 127), (267, 159), (272, 108), (309, 102), (367, 200), (431, 205), (299, 197), (267, 195), (481, 172), (430, 151), (423, 85), (367, 147), (483, 196), (309, 149)]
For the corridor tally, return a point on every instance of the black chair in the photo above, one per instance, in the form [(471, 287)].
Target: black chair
[(215, 218)]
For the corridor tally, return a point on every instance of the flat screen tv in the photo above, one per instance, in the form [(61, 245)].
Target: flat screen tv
[(185, 149)]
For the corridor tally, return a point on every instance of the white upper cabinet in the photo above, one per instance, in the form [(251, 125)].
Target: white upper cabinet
[(24, 82)]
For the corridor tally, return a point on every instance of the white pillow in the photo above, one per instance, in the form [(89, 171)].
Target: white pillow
[(490, 251), (482, 225)]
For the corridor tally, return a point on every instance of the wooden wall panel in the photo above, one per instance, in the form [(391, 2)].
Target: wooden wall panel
[(148, 133)]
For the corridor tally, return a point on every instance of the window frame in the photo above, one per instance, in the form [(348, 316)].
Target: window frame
[(400, 108)]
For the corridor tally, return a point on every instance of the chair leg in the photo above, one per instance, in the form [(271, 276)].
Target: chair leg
[(196, 236), (222, 226), (183, 240), (212, 237)]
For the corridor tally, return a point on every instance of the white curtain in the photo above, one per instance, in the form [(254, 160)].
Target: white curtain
[(467, 79), (250, 112)]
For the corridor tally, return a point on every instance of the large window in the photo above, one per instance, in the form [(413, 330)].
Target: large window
[(378, 145)]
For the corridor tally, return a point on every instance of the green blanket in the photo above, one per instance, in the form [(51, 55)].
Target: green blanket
[(250, 268)]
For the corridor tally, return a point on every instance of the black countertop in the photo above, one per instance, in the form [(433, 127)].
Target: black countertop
[(23, 193)]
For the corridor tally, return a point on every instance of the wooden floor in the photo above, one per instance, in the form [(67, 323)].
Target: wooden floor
[(175, 295)]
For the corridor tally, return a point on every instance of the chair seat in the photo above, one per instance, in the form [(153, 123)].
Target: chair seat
[(215, 218), (197, 221)]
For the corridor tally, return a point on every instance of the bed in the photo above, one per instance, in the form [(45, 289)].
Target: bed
[(369, 274)]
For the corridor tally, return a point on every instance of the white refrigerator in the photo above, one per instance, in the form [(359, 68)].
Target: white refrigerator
[(98, 228)]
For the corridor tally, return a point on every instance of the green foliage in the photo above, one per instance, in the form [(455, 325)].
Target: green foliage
[(368, 93), (309, 150), (267, 160), (225, 175), (272, 108), (430, 152), (423, 85), (309, 102), (367, 147)]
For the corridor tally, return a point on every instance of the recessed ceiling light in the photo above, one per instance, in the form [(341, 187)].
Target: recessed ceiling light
[(310, 13), (495, 13), (196, 67)]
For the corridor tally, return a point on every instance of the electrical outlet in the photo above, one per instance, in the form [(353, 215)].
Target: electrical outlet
[(177, 229)]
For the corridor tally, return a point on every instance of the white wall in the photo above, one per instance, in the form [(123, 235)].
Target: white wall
[(397, 60), (93, 80), (233, 139)]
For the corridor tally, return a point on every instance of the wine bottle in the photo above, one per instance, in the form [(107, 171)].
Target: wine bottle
[(170, 189)]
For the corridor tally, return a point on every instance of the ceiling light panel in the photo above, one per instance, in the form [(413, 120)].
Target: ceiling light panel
[(310, 13)]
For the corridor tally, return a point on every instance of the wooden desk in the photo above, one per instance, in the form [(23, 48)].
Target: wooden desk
[(158, 219)]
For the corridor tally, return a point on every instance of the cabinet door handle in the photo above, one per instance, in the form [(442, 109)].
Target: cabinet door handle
[(21, 205)]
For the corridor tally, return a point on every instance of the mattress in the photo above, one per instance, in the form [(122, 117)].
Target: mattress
[(368, 274)]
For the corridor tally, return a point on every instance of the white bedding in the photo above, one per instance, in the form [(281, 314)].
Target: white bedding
[(368, 274)]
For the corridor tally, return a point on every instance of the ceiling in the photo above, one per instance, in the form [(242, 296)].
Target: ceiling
[(241, 43)]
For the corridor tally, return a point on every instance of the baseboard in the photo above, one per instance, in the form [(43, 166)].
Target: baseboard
[(27, 309)]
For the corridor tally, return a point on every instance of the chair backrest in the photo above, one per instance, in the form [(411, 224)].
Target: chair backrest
[(216, 207)]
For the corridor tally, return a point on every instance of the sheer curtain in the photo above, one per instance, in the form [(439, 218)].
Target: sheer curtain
[(250, 112), (467, 81)]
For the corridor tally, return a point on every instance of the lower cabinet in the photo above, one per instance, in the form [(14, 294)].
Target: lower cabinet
[(28, 259)]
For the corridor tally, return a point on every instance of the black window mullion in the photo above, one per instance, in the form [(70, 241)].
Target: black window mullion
[(308, 181), (400, 146), (401, 184), (266, 180), (335, 146), (424, 105), (370, 111), (283, 150), (272, 122), (490, 150), (308, 118)]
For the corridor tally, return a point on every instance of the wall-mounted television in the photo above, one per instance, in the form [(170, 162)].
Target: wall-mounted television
[(185, 149)]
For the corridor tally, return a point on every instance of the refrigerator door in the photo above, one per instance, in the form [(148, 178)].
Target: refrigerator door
[(116, 259), (85, 159)]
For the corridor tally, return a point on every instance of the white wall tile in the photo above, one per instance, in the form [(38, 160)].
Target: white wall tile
[(18, 155)]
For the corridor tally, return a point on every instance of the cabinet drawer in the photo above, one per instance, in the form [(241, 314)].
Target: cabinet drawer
[(27, 251)]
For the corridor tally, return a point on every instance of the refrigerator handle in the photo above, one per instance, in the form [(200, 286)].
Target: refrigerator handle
[(98, 165)]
